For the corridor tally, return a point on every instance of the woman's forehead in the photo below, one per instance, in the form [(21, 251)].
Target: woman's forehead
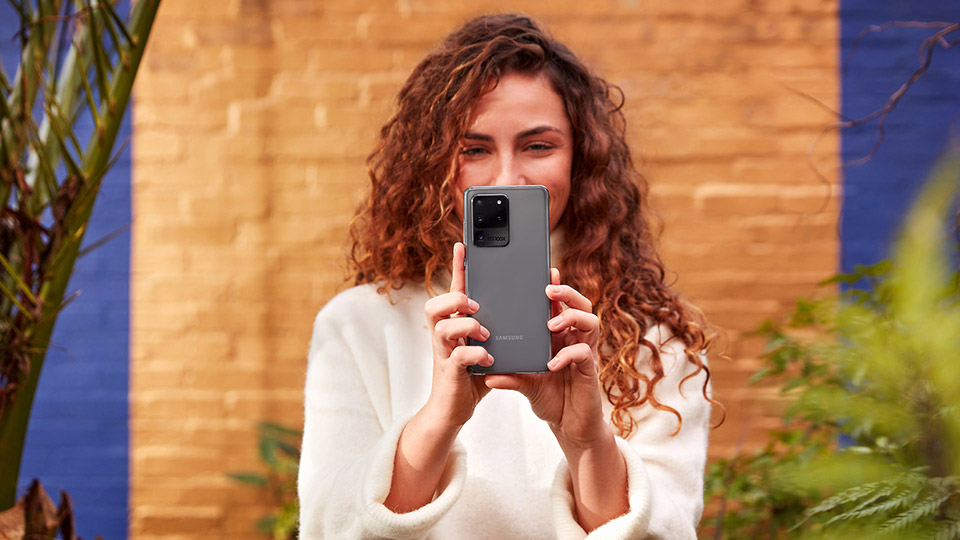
[(519, 96)]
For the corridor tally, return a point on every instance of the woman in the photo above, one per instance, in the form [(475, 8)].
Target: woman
[(400, 440)]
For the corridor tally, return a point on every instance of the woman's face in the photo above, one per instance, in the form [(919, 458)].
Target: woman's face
[(520, 135)]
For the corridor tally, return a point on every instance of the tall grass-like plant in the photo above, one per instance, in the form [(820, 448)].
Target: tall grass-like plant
[(78, 60), (880, 364)]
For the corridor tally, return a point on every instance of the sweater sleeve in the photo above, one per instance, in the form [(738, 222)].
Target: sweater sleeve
[(664, 471), (349, 445)]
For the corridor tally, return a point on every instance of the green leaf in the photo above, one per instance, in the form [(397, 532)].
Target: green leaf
[(249, 478), (120, 24), (266, 524), (841, 278), (100, 61), (277, 429), (12, 296), (268, 451), (759, 376), (13, 273), (925, 508), (949, 530), (288, 449)]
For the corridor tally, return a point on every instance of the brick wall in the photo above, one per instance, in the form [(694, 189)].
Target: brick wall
[(252, 121)]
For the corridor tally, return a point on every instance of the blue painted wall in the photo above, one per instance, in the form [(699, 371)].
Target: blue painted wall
[(78, 435), (878, 193)]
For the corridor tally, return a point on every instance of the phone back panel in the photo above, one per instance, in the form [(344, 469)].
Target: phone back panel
[(509, 281)]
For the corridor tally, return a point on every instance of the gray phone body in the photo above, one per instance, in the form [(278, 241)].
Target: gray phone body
[(509, 281)]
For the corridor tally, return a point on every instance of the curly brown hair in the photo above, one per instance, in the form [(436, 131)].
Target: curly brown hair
[(403, 231)]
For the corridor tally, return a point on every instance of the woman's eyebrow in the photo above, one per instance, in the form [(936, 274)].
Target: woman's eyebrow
[(523, 134), (537, 131), (477, 136)]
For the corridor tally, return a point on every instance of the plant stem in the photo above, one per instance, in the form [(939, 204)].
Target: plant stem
[(15, 417)]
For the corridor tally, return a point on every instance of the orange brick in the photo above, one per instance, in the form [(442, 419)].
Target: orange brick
[(321, 88), (350, 60), (170, 12), (167, 521), (158, 146)]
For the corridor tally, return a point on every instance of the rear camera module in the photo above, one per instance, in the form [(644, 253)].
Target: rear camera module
[(491, 220)]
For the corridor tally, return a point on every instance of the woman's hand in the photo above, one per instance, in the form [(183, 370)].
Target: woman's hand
[(569, 396), (455, 392), (427, 439)]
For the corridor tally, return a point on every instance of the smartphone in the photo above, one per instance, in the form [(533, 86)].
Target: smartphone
[(506, 231)]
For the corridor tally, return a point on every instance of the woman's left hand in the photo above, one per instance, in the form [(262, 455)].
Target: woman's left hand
[(568, 397)]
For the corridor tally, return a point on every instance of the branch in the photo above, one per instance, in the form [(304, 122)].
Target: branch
[(926, 55), (881, 114)]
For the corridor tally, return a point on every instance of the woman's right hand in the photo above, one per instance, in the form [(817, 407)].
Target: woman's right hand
[(427, 439), (455, 392)]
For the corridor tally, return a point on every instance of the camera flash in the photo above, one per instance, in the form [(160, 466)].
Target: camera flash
[(499, 201)]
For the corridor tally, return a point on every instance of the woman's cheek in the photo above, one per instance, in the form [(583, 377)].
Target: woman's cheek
[(558, 204)]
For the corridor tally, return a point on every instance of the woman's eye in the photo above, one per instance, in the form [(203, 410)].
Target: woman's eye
[(540, 147), (472, 151)]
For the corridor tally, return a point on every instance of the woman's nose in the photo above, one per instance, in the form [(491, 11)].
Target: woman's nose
[(510, 174)]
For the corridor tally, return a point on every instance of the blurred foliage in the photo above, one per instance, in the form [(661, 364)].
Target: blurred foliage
[(279, 449), (871, 376), (60, 117)]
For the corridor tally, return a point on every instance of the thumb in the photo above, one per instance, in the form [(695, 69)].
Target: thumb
[(457, 278)]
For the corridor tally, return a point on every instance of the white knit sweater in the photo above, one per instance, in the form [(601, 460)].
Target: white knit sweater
[(370, 371)]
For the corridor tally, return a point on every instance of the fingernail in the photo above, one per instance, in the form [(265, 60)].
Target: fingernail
[(553, 288), (474, 306), (489, 360), (484, 332), (554, 322), (553, 363)]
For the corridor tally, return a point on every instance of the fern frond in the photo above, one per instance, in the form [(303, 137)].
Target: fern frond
[(925, 508), (851, 495), (896, 501), (866, 507), (949, 531)]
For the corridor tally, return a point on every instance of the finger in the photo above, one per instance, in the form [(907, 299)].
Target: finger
[(462, 327), (526, 384), (574, 318), (447, 304), (555, 307), (471, 355), (502, 381), (457, 278), (569, 296), (578, 354)]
